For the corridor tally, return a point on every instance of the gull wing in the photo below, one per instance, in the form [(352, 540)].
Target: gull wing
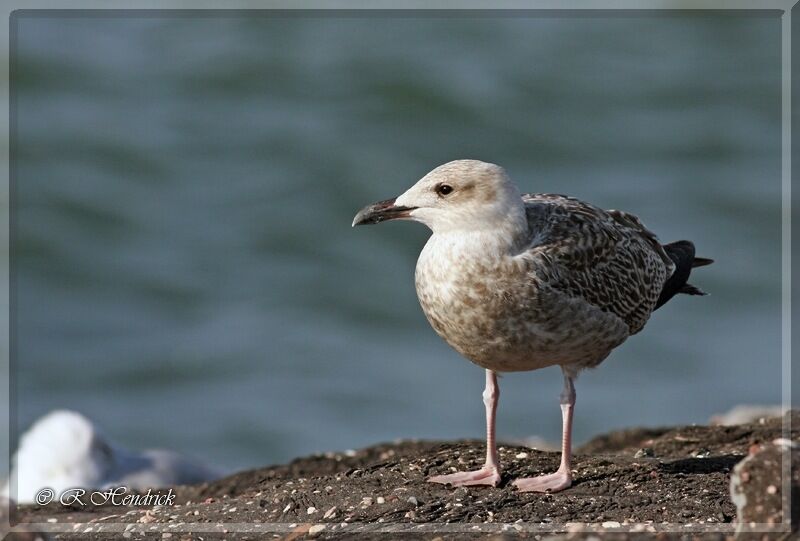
[(608, 259)]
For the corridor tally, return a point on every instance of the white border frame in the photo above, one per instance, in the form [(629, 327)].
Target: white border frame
[(786, 284)]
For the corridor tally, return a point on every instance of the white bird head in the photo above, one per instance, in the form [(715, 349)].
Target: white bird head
[(462, 195), (61, 450)]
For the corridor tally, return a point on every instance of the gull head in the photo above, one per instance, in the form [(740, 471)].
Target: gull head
[(61, 450), (462, 195)]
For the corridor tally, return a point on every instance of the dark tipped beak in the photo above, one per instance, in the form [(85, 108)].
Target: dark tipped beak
[(381, 212)]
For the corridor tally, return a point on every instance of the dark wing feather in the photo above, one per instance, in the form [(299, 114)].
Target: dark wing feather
[(682, 254), (607, 258)]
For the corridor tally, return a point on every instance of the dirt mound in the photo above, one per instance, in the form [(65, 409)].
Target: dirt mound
[(634, 480)]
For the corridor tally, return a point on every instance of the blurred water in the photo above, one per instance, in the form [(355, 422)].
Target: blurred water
[(187, 276)]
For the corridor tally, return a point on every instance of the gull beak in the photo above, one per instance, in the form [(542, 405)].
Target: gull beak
[(381, 211)]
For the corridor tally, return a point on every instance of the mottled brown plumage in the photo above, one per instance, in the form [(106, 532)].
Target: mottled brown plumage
[(607, 258), (520, 282)]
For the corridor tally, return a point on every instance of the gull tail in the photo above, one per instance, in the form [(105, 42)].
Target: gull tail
[(682, 254)]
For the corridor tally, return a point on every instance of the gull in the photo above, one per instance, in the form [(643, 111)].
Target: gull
[(517, 282), (64, 450)]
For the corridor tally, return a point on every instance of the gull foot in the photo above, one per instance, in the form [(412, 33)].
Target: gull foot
[(553, 482), (484, 476)]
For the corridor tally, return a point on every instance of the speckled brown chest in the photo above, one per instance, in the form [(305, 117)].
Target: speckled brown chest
[(497, 311)]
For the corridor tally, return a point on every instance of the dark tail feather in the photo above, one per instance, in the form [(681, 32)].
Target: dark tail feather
[(682, 254), (689, 289), (701, 262)]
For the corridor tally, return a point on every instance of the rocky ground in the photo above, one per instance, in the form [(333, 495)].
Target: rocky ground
[(671, 480)]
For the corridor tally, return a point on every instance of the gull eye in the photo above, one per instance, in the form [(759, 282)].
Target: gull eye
[(444, 189)]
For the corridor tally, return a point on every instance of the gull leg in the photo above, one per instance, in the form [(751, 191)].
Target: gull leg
[(490, 473), (562, 478)]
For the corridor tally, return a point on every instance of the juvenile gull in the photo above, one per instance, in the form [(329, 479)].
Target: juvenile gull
[(519, 282)]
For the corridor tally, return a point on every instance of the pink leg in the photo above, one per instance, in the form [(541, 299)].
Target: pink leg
[(490, 473), (562, 478)]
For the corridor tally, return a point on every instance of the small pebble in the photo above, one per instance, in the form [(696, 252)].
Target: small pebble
[(330, 513), (521, 455), (311, 510), (380, 499), (772, 489)]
